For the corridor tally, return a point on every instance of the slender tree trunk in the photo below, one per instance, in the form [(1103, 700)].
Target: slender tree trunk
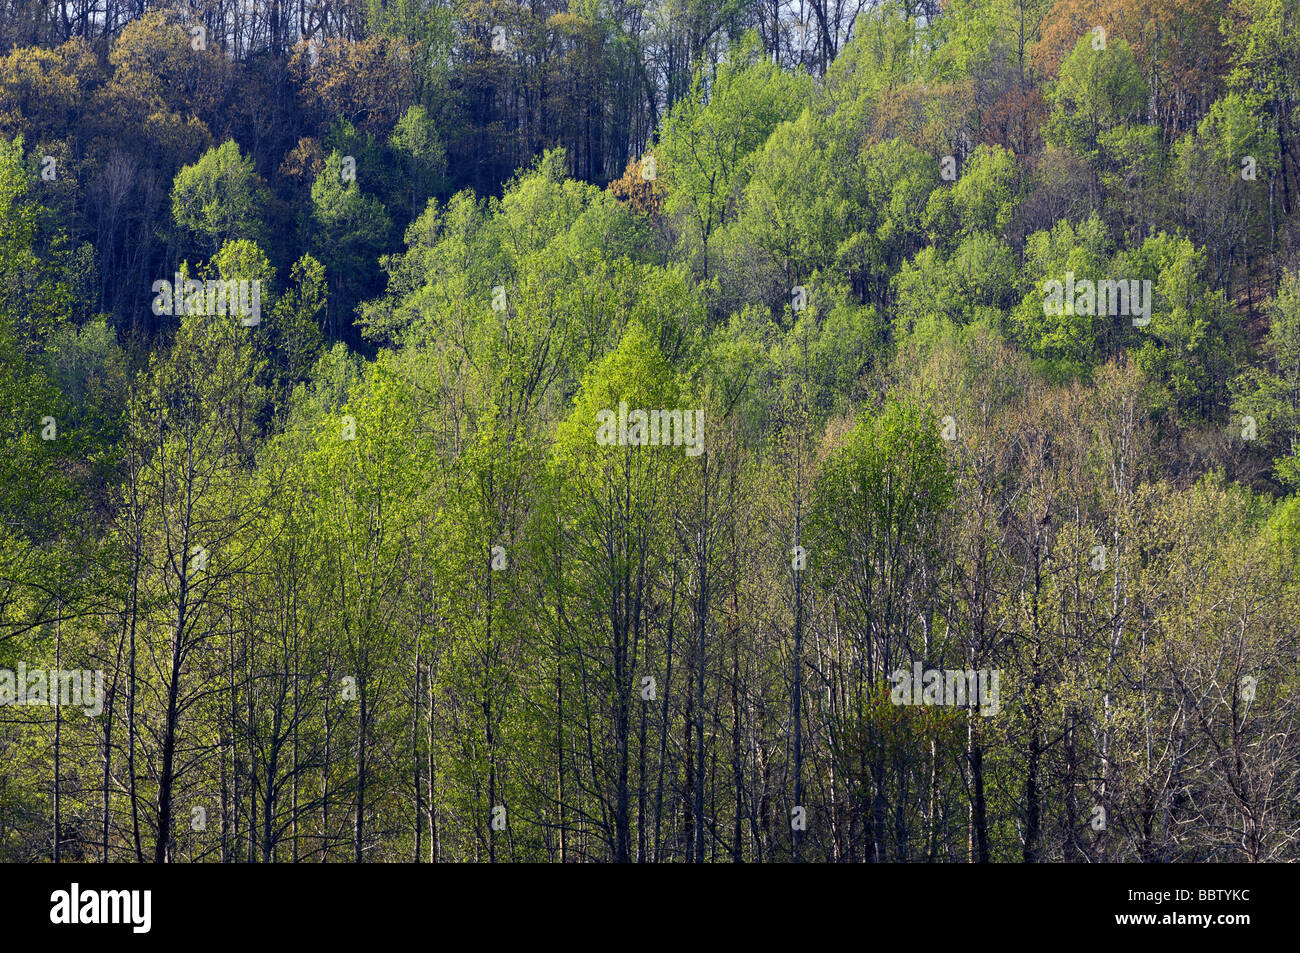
[(430, 780), (58, 737), (359, 819), (663, 727)]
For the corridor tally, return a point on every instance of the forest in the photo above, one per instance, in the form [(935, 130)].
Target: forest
[(649, 431)]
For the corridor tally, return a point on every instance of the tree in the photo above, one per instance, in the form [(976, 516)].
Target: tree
[(1267, 404), (220, 197), (874, 519), (193, 420), (348, 229), (1096, 91), (707, 149), (611, 507)]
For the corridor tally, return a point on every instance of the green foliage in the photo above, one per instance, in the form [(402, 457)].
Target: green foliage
[(877, 499), (1069, 343), (1195, 338), (362, 584), (982, 198), (1270, 395), (1096, 91), (978, 281), (421, 154), (348, 229), (708, 148), (220, 197)]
